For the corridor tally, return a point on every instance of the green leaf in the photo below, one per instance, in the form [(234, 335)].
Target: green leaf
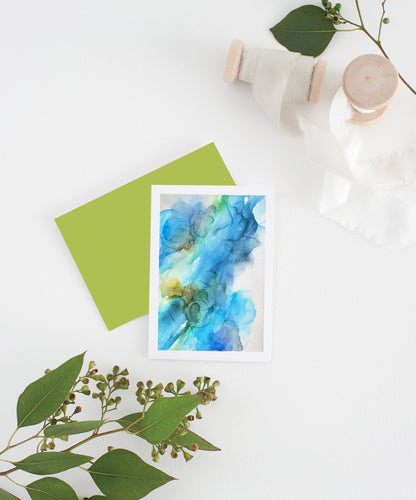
[(72, 428), (162, 418), (305, 30), (97, 497), (41, 398), (122, 475), (190, 438), (51, 462), (6, 496), (51, 488)]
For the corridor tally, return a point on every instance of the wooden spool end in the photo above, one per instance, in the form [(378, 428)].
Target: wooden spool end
[(370, 82), (232, 66), (317, 80)]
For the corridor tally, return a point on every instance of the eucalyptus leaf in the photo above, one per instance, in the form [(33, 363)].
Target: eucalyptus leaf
[(162, 418), (305, 30), (44, 396), (122, 475), (190, 438), (51, 462), (72, 428), (51, 488), (6, 496)]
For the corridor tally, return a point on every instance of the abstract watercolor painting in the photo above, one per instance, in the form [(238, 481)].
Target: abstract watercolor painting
[(210, 272)]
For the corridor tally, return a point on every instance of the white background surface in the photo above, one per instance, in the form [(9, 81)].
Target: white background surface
[(95, 93)]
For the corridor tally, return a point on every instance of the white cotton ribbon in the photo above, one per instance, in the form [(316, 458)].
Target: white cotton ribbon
[(280, 82), (369, 184)]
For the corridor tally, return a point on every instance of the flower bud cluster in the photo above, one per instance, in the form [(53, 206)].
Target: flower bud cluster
[(107, 385), (204, 386), (206, 389), (147, 392), (333, 12)]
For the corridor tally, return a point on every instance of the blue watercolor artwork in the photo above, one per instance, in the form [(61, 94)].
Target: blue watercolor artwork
[(211, 272)]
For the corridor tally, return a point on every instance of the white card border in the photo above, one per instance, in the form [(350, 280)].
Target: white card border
[(153, 351)]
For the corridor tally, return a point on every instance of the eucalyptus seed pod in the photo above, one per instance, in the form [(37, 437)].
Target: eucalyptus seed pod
[(102, 386), (169, 387), (180, 384)]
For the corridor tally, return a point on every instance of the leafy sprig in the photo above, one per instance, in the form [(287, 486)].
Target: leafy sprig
[(165, 415), (309, 29)]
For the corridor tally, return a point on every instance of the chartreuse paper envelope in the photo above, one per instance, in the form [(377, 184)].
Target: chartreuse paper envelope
[(109, 238)]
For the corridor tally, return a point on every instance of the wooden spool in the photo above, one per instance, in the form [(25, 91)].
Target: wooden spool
[(369, 83), (232, 70)]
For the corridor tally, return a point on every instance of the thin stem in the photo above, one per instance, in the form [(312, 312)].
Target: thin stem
[(359, 26), (38, 446), (93, 436), (15, 482), (359, 13), (387, 57), (381, 20), (10, 446), (407, 85), (376, 41), (8, 471), (114, 431), (10, 441), (24, 441)]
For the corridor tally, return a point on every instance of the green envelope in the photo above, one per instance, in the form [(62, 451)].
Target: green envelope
[(109, 238)]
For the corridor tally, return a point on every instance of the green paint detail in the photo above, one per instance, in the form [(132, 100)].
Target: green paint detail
[(42, 397), (109, 238)]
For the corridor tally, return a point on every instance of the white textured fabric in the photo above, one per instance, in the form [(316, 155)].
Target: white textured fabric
[(280, 81), (375, 196), (369, 183)]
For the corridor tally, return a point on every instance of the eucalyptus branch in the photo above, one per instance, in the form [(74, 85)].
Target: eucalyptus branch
[(334, 14), (114, 431), (162, 419), (90, 438)]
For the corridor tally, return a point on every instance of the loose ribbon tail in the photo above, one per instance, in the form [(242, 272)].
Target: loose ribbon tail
[(375, 198)]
